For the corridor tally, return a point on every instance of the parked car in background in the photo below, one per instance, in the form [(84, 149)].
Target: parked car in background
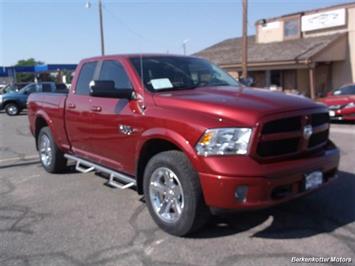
[(186, 135), (13, 87), (341, 103), (15, 101)]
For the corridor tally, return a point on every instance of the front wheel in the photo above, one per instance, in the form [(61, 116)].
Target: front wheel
[(52, 159), (12, 109), (173, 193)]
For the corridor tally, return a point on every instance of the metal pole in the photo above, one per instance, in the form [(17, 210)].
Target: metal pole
[(311, 82), (245, 40), (101, 29)]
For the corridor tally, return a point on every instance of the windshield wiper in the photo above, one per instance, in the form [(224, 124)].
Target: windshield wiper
[(177, 88)]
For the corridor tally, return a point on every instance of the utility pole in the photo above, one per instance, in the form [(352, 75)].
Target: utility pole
[(101, 29), (184, 43), (245, 40), (88, 5)]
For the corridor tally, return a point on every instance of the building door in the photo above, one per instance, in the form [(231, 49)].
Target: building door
[(323, 80), (275, 78), (289, 80)]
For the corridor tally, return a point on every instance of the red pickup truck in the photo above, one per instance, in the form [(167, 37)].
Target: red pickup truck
[(186, 135)]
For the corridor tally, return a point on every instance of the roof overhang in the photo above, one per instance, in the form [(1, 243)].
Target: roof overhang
[(334, 51)]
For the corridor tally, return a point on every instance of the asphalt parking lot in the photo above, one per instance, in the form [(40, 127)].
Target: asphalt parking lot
[(73, 219)]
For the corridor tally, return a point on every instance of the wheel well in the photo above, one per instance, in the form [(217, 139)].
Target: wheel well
[(40, 123), (149, 149), (11, 101)]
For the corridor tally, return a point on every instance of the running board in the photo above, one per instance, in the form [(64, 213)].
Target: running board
[(116, 180)]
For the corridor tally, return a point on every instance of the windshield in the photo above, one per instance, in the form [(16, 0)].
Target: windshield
[(174, 73), (347, 90), (9, 88)]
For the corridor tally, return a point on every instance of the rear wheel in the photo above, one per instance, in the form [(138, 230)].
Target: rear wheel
[(12, 109), (173, 193), (52, 159)]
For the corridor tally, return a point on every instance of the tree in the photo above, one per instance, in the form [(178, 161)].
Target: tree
[(26, 77)]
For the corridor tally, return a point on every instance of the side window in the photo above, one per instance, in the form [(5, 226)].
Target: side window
[(352, 90), (32, 88), (46, 87), (113, 70), (86, 75)]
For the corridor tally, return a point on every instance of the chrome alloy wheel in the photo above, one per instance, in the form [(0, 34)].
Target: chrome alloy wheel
[(45, 150), (12, 110), (166, 195)]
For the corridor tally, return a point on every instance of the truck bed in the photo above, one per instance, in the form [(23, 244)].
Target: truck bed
[(51, 105)]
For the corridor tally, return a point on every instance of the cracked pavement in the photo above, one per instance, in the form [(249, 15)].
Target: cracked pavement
[(73, 219)]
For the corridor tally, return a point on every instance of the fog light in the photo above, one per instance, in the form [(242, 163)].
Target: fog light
[(241, 193)]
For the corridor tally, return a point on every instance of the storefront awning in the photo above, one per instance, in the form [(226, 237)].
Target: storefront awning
[(8, 71)]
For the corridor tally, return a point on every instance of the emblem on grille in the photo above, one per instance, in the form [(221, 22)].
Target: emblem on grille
[(307, 131)]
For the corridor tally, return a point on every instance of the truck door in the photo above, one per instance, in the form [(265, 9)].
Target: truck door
[(112, 146), (22, 97), (78, 113)]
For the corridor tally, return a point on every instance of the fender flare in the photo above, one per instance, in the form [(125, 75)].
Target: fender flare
[(43, 115), (171, 136)]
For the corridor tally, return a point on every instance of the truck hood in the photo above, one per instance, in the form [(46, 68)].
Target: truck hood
[(245, 105), (11, 94), (338, 100)]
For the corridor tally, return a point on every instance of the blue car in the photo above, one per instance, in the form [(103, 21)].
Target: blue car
[(14, 102)]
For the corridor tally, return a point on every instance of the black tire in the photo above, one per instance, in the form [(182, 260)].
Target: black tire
[(12, 109), (194, 213), (58, 163)]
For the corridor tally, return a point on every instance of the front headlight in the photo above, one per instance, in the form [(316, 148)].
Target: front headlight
[(349, 105), (224, 141), (0, 98)]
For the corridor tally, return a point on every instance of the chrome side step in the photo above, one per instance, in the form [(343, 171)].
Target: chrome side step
[(116, 180)]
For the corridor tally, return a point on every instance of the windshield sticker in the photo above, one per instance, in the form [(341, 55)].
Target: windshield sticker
[(163, 83)]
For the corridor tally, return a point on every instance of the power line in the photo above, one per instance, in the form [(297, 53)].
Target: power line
[(113, 15)]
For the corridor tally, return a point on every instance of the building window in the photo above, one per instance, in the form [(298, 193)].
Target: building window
[(291, 28)]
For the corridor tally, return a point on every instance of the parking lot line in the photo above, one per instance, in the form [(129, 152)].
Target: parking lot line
[(30, 157), (343, 130)]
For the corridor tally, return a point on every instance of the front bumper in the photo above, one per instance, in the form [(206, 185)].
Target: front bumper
[(268, 184)]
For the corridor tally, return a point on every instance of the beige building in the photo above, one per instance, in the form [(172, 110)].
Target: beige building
[(311, 51)]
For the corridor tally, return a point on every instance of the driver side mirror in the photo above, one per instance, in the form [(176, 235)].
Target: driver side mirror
[(106, 89)]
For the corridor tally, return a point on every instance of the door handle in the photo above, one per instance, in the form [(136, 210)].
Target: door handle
[(71, 106), (96, 108)]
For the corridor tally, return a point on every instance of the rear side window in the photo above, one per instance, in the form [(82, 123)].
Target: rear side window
[(113, 70), (86, 75), (46, 87)]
